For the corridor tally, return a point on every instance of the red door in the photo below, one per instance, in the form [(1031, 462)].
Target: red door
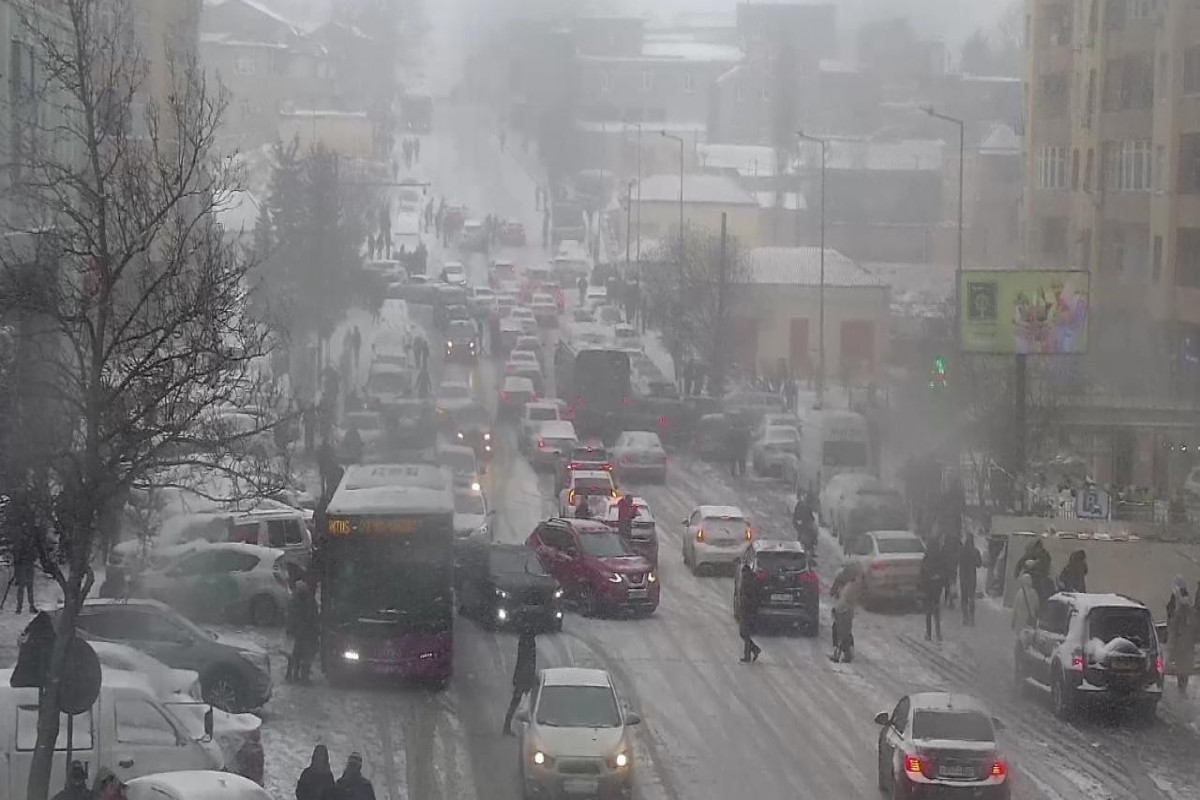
[(858, 347), (798, 345)]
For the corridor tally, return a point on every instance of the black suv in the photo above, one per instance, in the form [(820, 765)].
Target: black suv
[(785, 584), (1091, 648), (505, 584)]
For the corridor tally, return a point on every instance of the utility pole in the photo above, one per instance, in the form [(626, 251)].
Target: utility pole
[(959, 267), (628, 230), (717, 387), (821, 291)]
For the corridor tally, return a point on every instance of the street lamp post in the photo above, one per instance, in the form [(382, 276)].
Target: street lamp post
[(958, 269), (821, 290), (638, 125), (628, 227)]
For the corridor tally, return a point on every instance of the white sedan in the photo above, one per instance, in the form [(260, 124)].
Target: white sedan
[(545, 309), (454, 273), (715, 537)]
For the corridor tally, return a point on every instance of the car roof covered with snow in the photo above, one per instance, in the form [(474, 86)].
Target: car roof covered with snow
[(574, 676), (557, 429), (517, 383), (195, 785), (945, 701), (899, 534), (720, 512), (777, 546), (1086, 601), (393, 488)]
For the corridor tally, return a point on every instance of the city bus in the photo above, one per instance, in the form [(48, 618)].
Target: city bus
[(594, 381), (387, 574)]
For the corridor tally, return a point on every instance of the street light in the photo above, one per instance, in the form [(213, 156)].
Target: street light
[(638, 125), (958, 269), (821, 290), (628, 231)]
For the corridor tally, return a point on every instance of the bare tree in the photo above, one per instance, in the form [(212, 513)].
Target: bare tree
[(132, 297), (694, 296)]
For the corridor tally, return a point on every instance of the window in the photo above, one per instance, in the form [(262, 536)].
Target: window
[(688, 83), (138, 722), (555, 537), (1136, 166), (1093, 22), (1188, 179), (1054, 238), (1129, 83), (1156, 262), (244, 64), (1089, 167), (1085, 248), (284, 533), (1159, 179), (900, 715), (149, 627), (1187, 258), (1141, 9), (245, 532), (1052, 167), (1090, 109), (1053, 98), (1075, 170), (200, 564), (647, 80), (1053, 618), (81, 734), (1191, 70), (1114, 15), (605, 83)]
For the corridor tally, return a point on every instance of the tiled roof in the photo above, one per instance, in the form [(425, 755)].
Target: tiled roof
[(801, 266), (715, 189)]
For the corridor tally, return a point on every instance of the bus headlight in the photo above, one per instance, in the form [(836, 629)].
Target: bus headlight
[(487, 437), (460, 435), (475, 486), (350, 655), (558, 593), (501, 614)]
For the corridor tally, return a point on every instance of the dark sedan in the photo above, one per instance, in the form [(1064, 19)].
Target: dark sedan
[(785, 585), (505, 584)]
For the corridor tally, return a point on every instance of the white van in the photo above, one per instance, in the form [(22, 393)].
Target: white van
[(268, 524), (833, 441), (128, 731)]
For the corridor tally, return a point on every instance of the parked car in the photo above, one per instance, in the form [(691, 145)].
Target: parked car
[(837, 489), (235, 674), (194, 785), (596, 485), (461, 461), (870, 507), (643, 531), (145, 737), (544, 308), (514, 393), (750, 406), (238, 735), (587, 454), (776, 441), (505, 584), (715, 536), (533, 414), (785, 584), (1092, 649), (640, 454), (594, 566), (575, 723), (481, 301), (891, 565), (511, 233), (551, 443), (221, 581)]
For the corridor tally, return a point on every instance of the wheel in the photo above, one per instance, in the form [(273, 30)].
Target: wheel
[(225, 691), (591, 607), (264, 612), (1018, 675), (1061, 702)]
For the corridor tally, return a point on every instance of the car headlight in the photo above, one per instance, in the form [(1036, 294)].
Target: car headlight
[(487, 437), (475, 486), (501, 593), (620, 760), (558, 593), (651, 577), (460, 435), (350, 655), (542, 759), (615, 578)]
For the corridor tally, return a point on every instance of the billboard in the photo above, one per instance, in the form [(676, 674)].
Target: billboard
[(1023, 312)]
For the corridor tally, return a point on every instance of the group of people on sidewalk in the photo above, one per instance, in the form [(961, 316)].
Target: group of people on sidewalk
[(317, 782)]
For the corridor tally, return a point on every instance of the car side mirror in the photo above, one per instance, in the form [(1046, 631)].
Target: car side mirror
[(997, 724), (208, 723), (883, 718), (523, 716), (633, 718)]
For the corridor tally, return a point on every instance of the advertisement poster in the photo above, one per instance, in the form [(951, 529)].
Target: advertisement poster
[(1024, 312)]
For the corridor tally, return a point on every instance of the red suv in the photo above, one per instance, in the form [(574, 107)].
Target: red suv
[(594, 566)]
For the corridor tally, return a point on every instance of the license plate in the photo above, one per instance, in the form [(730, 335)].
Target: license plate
[(578, 786), (638, 594), (781, 598), (1126, 666), (956, 771)]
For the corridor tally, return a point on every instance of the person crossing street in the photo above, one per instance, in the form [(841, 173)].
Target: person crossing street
[(524, 674)]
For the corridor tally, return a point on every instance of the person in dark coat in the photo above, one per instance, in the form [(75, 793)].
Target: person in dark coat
[(1073, 577), (353, 445), (25, 565), (930, 583), (747, 608), (524, 674), (625, 514), (327, 465), (352, 785), (949, 551), (316, 781), (582, 283), (582, 509), (76, 788), (969, 561), (302, 625), (736, 443)]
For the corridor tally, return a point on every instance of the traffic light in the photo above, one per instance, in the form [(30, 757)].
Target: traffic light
[(937, 373)]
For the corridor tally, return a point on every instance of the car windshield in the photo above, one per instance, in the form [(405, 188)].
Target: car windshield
[(468, 502), (578, 707), (604, 545), (543, 414), (512, 561), (957, 726), (592, 485), (845, 454), (643, 441), (522, 355), (725, 520), (1133, 624), (783, 560), (782, 435), (458, 460), (387, 382), (899, 545)]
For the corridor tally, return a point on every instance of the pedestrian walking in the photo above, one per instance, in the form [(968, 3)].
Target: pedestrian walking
[(25, 559), (582, 285), (748, 601), (931, 582), (625, 514), (737, 440), (969, 562), (948, 546), (524, 678), (352, 785), (316, 781), (845, 589), (356, 345), (424, 386), (1182, 621), (76, 788), (1036, 561), (302, 625), (1073, 577), (1025, 602), (327, 466)]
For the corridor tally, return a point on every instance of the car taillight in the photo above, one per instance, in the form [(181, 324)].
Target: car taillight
[(615, 494), (999, 769), (571, 498), (700, 534), (503, 396), (541, 443), (876, 566), (749, 534), (808, 578), (1158, 665), (914, 764), (1077, 661), (662, 422), (760, 574)]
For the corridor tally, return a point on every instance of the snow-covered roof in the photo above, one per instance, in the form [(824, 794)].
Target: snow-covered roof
[(233, 40), (395, 488), (792, 201), (261, 8), (801, 266), (1001, 139), (746, 159), (903, 155), (1085, 602), (317, 112), (778, 546), (688, 49), (617, 126), (195, 785), (237, 211), (574, 676), (945, 701), (707, 189), (707, 512)]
